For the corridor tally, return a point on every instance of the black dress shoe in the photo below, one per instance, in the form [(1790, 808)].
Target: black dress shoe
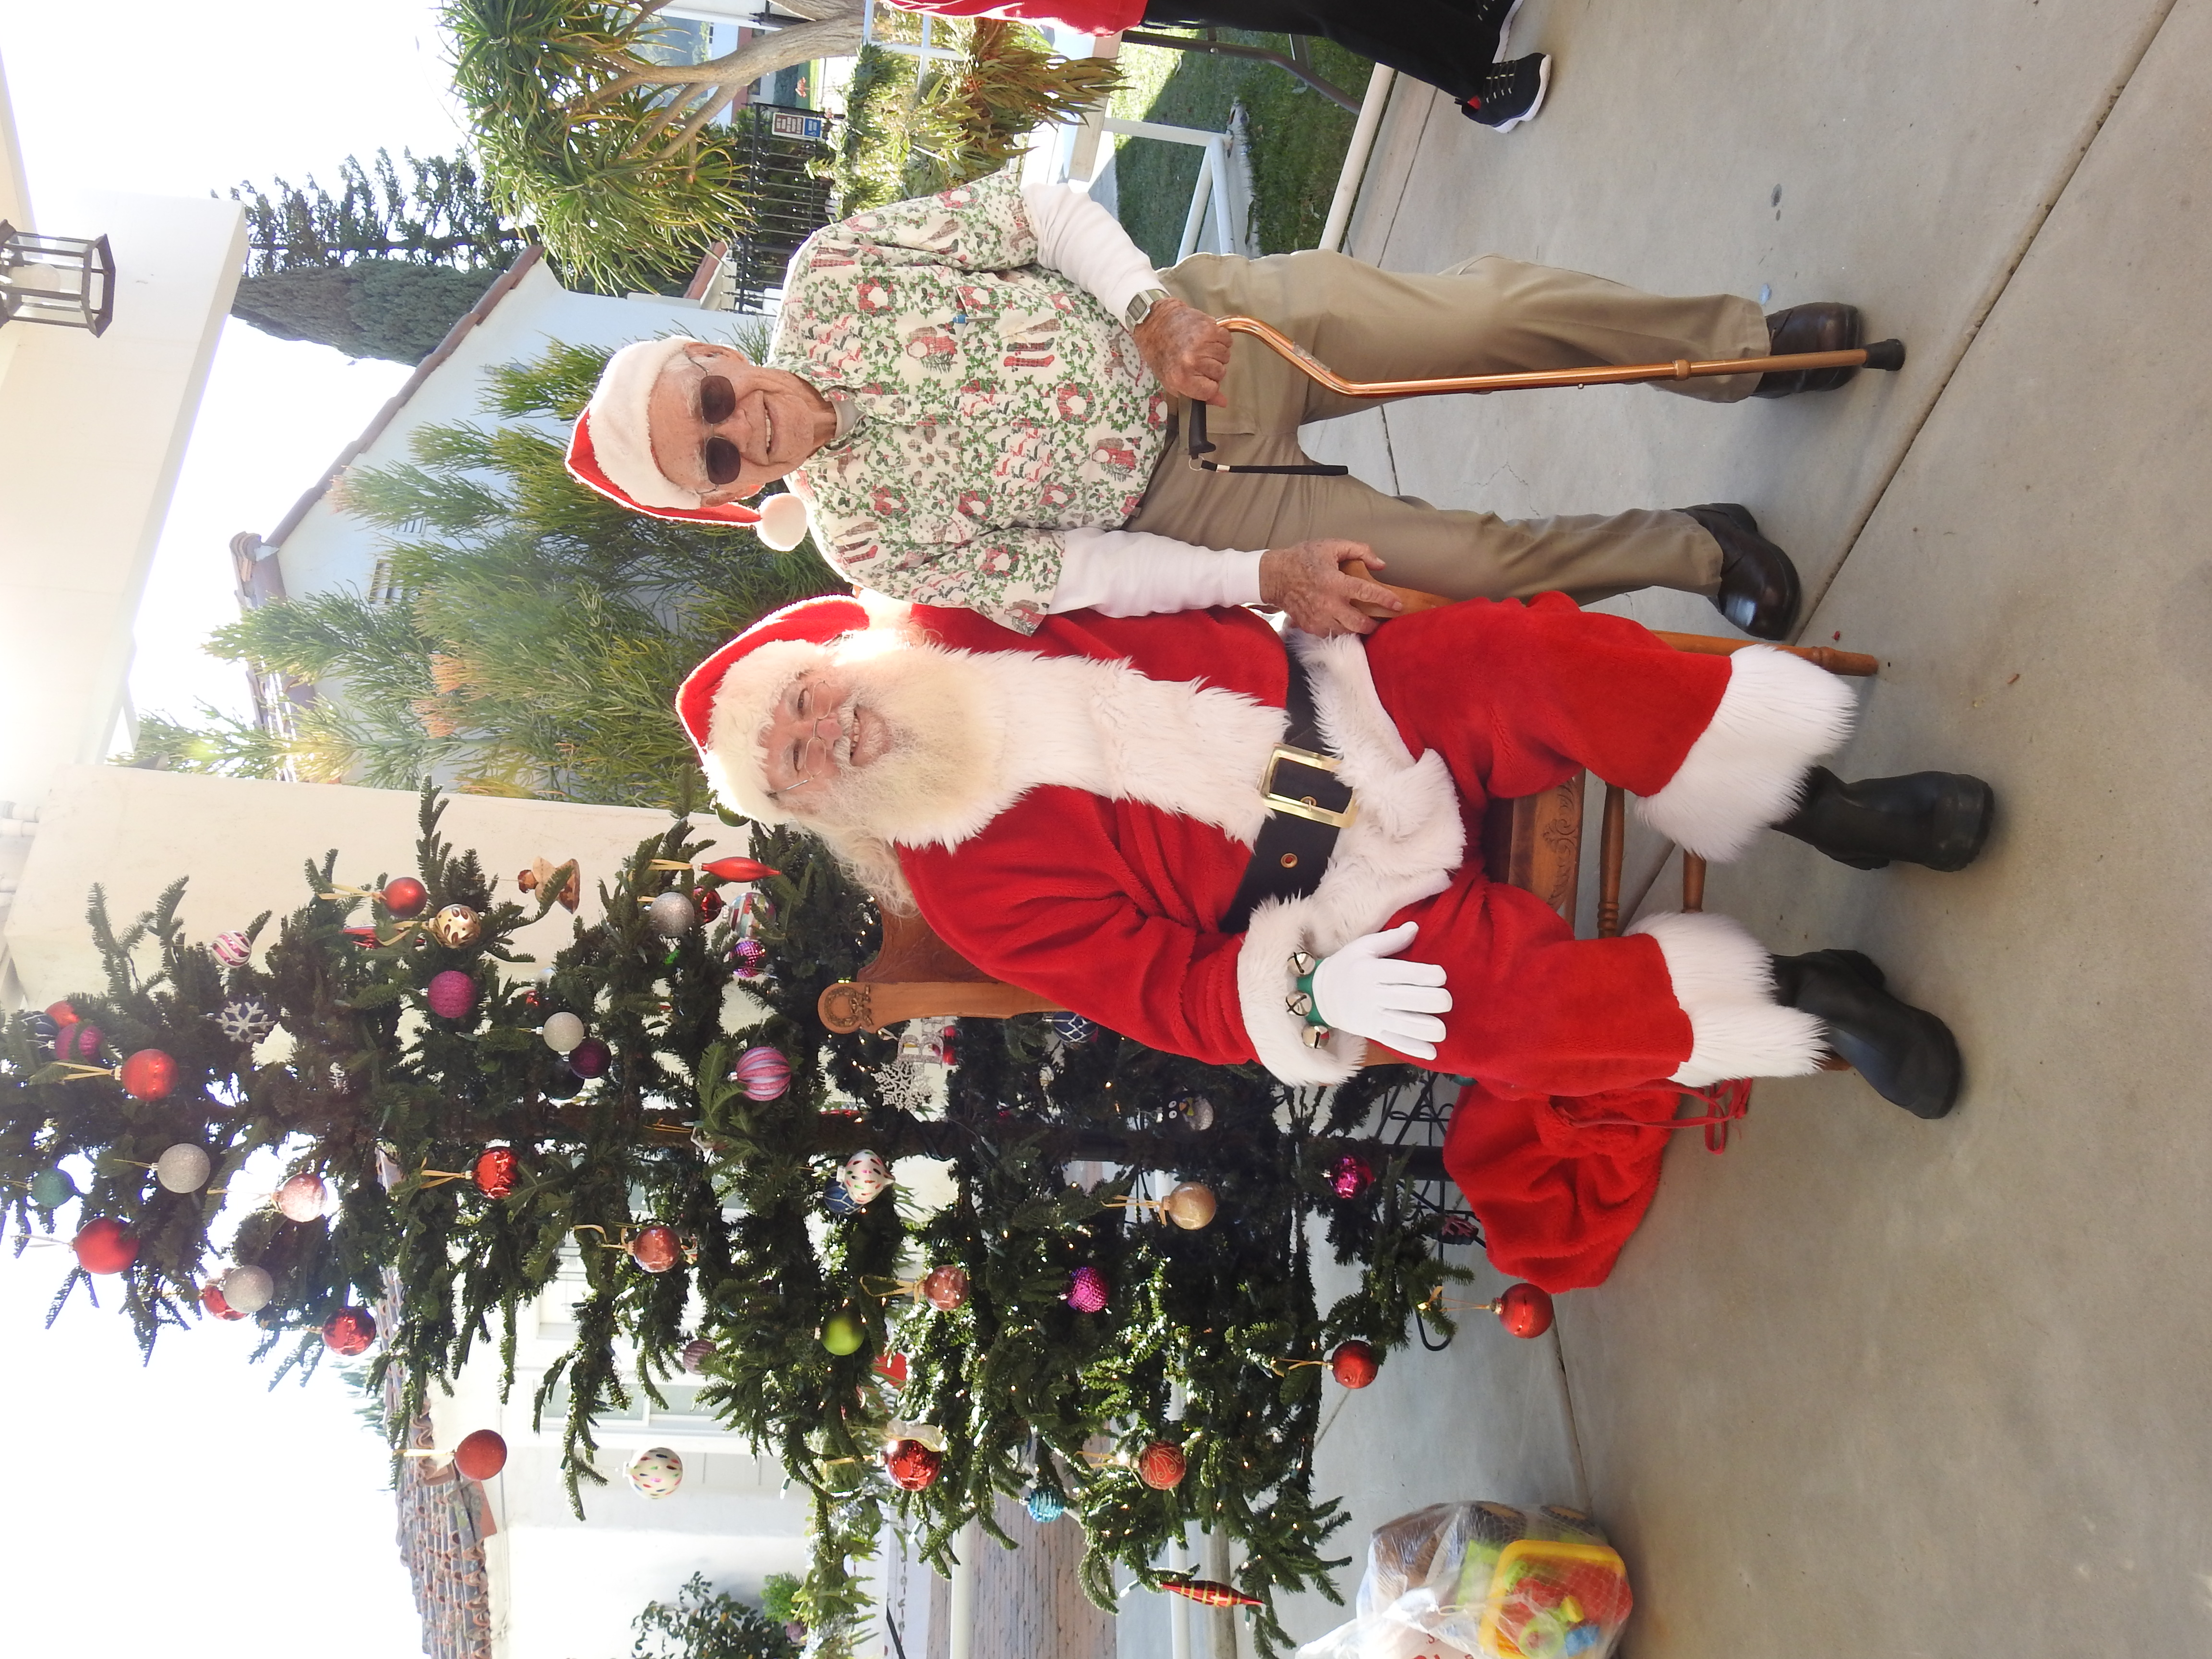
[(1758, 590), (1822, 326), (1906, 1053), (1939, 819)]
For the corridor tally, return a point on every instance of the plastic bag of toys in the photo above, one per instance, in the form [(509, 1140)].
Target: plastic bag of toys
[(1485, 1581)]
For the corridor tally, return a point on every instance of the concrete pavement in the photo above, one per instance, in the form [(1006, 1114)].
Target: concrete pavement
[(1867, 1385)]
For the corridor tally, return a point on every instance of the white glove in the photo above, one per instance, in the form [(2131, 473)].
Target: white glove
[(1361, 989)]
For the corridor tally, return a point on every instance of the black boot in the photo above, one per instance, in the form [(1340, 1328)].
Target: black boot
[(1939, 819), (1758, 590), (1908, 1055), (1822, 326)]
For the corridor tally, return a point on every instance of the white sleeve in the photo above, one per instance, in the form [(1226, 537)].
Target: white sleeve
[(1131, 573), (1085, 244)]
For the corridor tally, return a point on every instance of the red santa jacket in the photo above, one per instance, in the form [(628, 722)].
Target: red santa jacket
[(1089, 16)]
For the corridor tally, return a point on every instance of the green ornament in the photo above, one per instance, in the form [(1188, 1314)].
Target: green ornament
[(844, 1333), (51, 1189)]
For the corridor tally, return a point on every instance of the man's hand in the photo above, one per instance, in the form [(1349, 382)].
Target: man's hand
[(1308, 583), (1186, 349)]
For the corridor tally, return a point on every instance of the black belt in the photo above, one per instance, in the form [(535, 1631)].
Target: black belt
[(1308, 805)]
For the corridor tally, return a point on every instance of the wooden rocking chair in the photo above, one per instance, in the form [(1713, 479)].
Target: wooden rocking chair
[(1533, 842)]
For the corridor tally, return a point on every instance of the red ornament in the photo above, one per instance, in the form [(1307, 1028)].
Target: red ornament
[(893, 1370), (105, 1246), (1525, 1310), (61, 1013), (945, 1288), (1211, 1593), (913, 1465), (349, 1331), (364, 937), (709, 903), (738, 869), (1354, 1363), (451, 994), (149, 1075), (590, 1058), (1351, 1176), (406, 897), (496, 1171), (481, 1455), (80, 1042), (656, 1248), (1162, 1466), (211, 1298)]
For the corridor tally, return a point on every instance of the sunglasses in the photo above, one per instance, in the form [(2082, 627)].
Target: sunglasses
[(718, 401)]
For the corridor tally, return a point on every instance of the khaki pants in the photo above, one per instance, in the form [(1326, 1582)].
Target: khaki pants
[(1488, 316)]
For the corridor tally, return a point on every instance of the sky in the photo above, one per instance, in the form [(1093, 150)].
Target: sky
[(182, 1503)]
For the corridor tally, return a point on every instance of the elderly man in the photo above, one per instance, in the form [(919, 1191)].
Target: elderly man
[(972, 396), (1229, 848)]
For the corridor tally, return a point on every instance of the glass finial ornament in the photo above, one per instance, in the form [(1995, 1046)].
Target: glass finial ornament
[(838, 1200), (245, 1019), (1046, 1506), (232, 949)]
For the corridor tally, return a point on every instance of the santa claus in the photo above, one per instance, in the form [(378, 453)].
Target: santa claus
[(1238, 845)]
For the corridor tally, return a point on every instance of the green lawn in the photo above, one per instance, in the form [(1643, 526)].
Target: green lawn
[(1298, 139)]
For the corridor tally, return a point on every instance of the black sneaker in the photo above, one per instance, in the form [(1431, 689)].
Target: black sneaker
[(1510, 94), (1495, 14)]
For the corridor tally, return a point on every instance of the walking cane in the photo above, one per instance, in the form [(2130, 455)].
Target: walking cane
[(1882, 354)]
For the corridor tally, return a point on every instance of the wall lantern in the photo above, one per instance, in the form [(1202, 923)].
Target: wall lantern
[(64, 281)]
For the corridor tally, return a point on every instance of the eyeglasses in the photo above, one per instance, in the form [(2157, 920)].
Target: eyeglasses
[(718, 401)]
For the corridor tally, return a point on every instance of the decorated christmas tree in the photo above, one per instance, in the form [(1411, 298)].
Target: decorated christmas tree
[(881, 1266)]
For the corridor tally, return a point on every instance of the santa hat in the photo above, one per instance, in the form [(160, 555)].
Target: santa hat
[(611, 452), (724, 702)]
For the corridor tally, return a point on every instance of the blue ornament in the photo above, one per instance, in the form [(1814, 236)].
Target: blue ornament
[(43, 1029), (245, 1019), (1070, 1027), (1046, 1506), (838, 1200)]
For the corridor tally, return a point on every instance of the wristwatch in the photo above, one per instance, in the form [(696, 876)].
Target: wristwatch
[(1144, 305)]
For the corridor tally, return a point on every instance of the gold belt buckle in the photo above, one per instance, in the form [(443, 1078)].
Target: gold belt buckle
[(1299, 806)]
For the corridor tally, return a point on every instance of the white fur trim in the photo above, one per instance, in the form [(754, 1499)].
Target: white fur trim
[(783, 522), (621, 426), (734, 759), (1263, 990), (1778, 715), (1724, 979)]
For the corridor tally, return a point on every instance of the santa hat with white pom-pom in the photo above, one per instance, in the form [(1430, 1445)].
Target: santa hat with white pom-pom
[(611, 452)]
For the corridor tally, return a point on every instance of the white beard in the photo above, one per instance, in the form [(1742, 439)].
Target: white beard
[(972, 734)]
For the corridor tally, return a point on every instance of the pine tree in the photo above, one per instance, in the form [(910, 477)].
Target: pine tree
[(382, 267), (469, 1157), (704, 1623)]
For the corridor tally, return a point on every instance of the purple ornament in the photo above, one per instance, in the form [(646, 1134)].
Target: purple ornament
[(79, 1042), (233, 950), (764, 1071), (451, 994), (1087, 1290), (1349, 1176), (696, 1352), (590, 1058), (748, 956)]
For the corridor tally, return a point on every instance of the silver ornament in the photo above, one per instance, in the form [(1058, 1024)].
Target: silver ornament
[(671, 914)]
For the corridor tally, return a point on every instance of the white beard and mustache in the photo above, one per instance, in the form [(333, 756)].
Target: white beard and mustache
[(970, 733)]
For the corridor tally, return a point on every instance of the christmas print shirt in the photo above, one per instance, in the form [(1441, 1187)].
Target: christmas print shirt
[(998, 403)]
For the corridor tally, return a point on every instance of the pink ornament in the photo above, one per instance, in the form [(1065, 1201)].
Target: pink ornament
[(79, 1041), (697, 1353), (764, 1072), (300, 1198), (1350, 1176), (1087, 1290), (451, 994), (233, 950)]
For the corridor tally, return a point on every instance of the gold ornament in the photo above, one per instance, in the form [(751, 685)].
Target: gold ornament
[(1190, 1206), (456, 925)]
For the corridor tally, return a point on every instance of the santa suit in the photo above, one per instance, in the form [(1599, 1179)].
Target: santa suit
[(1111, 906), (1092, 848)]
